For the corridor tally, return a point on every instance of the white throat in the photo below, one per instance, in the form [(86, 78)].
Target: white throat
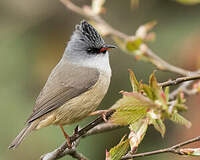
[(100, 62)]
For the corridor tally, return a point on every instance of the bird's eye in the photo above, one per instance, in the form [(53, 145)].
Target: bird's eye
[(89, 50)]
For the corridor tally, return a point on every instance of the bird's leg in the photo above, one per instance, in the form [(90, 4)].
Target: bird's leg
[(67, 137), (101, 112)]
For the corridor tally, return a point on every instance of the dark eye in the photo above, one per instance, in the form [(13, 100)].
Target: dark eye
[(92, 51)]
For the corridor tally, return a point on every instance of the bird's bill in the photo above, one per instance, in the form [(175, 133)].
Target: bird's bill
[(109, 46)]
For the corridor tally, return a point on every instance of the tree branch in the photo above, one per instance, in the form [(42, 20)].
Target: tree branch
[(63, 149), (157, 61), (179, 80), (174, 149)]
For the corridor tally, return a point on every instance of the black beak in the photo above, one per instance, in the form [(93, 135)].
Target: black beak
[(109, 46)]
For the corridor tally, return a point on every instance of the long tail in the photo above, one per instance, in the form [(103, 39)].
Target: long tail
[(26, 131)]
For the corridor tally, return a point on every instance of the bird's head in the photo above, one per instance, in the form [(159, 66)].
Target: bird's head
[(86, 43)]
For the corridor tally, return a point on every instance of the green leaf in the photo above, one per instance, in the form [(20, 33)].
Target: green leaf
[(158, 94), (134, 82), (177, 118), (148, 91), (181, 107), (119, 150), (134, 45), (180, 98), (156, 120), (159, 126), (137, 133), (153, 83), (130, 108), (167, 93)]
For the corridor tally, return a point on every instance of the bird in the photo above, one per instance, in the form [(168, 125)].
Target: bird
[(75, 86)]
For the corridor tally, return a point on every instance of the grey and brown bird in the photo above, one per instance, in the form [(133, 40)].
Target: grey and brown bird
[(75, 87)]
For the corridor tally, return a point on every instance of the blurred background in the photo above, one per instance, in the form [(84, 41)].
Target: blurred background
[(33, 36)]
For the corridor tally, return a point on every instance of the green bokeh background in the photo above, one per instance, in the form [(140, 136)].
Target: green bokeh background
[(33, 35)]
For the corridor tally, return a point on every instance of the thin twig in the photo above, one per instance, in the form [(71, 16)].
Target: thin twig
[(179, 80), (160, 63), (63, 149), (174, 149), (104, 127), (78, 155)]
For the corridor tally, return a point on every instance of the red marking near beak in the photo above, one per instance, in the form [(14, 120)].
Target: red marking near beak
[(104, 49)]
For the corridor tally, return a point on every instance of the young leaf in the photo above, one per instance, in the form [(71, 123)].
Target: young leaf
[(159, 126), (148, 91), (134, 45), (167, 93), (118, 151), (134, 82), (177, 118), (153, 83), (138, 131), (159, 95), (132, 107), (181, 107), (157, 122)]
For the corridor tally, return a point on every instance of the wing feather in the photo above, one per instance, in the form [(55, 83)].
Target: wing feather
[(65, 82)]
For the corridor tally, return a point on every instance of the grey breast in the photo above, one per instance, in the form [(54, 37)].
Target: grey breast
[(65, 82)]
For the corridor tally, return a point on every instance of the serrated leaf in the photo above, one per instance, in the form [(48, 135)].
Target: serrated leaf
[(134, 82), (119, 150), (132, 107), (126, 117), (177, 118), (190, 151)]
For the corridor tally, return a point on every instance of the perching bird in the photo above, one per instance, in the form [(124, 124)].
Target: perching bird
[(75, 86)]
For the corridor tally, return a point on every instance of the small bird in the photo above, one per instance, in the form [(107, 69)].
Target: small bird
[(75, 87)]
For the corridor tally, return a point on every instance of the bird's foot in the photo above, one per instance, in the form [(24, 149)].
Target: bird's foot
[(100, 112), (66, 137)]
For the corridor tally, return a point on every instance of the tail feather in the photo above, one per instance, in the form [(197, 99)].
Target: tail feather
[(26, 131)]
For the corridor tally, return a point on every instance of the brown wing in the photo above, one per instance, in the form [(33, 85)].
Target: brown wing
[(65, 82)]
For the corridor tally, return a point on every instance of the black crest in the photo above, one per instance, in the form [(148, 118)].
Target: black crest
[(90, 35)]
